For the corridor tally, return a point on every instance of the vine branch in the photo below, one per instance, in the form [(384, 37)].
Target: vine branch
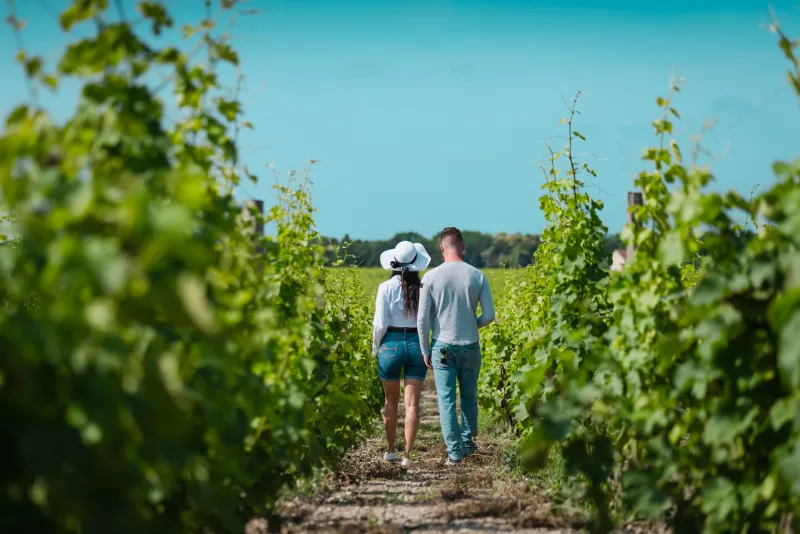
[(574, 170), (16, 27)]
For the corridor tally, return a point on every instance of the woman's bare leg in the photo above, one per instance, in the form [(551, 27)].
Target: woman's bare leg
[(391, 392), (413, 389)]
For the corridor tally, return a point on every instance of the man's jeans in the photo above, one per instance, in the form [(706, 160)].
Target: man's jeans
[(463, 363)]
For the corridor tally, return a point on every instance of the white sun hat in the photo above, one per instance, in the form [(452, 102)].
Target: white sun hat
[(405, 255)]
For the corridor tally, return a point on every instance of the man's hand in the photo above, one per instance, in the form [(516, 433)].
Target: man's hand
[(427, 358)]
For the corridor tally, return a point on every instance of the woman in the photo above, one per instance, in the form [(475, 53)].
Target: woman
[(395, 341)]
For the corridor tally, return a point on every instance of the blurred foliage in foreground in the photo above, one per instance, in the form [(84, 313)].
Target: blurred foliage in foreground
[(159, 373)]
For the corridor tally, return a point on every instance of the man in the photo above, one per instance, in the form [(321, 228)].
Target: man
[(448, 306)]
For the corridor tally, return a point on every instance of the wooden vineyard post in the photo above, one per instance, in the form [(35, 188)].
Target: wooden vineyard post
[(635, 198), (256, 223)]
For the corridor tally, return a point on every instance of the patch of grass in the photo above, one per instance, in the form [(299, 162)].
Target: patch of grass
[(554, 476), (563, 493), (371, 278), (325, 480), (487, 422), (428, 495), (322, 480), (551, 481)]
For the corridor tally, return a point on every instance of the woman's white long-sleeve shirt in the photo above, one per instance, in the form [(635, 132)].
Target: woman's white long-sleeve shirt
[(389, 311)]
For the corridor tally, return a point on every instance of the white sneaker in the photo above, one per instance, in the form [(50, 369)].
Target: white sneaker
[(451, 463), (405, 462), (389, 456)]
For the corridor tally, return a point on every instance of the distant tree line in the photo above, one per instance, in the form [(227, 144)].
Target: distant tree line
[(483, 250)]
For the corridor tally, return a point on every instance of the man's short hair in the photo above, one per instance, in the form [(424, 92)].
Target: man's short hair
[(451, 237)]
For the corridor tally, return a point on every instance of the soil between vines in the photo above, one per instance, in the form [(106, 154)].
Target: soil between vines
[(370, 496)]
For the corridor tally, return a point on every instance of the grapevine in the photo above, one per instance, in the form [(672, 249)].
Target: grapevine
[(165, 368), (671, 387)]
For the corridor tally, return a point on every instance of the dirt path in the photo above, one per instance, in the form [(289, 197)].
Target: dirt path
[(373, 496)]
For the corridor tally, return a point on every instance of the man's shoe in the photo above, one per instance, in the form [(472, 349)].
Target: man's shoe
[(389, 456), (451, 463)]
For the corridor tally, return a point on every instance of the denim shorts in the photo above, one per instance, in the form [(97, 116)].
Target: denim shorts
[(400, 354)]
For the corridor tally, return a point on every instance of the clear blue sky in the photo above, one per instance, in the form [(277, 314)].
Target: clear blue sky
[(429, 113)]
